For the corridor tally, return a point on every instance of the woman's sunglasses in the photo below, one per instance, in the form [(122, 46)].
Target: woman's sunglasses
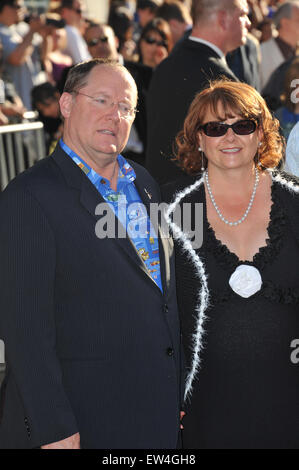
[(95, 41), (218, 129), (150, 40)]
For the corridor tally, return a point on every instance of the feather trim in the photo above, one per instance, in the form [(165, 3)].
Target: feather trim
[(285, 180), (203, 297)]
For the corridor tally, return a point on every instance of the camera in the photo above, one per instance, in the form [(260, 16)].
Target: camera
[(56, 23), (49, 21)]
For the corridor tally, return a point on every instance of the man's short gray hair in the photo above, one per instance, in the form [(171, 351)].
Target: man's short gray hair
[(78, 75), (202, 9), (284, 11)]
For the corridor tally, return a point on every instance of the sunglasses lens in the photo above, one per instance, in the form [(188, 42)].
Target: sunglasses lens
[(150, 40), (244, 127), (93, 42), (215, 129), (218, 129), (162, 43)]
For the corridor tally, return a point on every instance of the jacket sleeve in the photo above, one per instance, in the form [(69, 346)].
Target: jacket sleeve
[(27, 320)]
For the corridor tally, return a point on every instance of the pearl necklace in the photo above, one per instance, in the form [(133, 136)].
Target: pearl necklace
[(257, 177)]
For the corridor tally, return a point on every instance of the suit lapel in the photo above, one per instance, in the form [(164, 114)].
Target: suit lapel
[(246, 65), (148, 195), (90, 198)]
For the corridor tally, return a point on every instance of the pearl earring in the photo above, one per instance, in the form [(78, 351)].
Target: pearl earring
[(202, 166), (259, 163)]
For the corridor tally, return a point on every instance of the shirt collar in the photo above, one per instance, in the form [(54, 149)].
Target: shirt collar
[(209, 44), (126, 172)]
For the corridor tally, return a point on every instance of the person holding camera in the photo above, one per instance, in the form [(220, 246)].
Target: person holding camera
[(21, 48), (71, 12)]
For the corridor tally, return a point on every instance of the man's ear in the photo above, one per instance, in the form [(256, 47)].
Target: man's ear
[(284, 22), (66, 104), (116, 40), (223, 19)]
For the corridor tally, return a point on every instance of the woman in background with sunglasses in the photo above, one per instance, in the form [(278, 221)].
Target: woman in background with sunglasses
[(155, 42), (238, 292)]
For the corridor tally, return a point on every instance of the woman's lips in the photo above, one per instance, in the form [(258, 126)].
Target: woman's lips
[(233, 150)]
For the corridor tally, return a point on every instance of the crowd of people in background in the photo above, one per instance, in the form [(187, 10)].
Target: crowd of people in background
[(159, 42)]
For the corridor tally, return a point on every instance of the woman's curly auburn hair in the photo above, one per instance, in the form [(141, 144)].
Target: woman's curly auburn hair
[(234, 97)]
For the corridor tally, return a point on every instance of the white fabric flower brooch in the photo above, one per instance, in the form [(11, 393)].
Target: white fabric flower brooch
[(245, 281)]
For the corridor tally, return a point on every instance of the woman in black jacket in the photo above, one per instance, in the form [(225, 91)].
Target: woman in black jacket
[(239, 291)]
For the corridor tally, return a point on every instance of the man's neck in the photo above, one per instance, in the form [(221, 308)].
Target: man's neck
[(105, 165), (4, 21), (288, 39), (210, 36), (74, 24)]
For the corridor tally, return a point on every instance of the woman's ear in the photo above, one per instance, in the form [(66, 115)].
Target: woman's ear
[(200, 140), (260, 134)]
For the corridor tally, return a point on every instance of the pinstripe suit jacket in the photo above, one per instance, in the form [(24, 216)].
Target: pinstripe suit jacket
[(92, 345)]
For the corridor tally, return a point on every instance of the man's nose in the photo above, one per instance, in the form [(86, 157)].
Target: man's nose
[(114, 111)]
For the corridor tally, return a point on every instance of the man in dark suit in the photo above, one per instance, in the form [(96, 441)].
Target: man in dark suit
[(218, 27), (89, 318), (245, 63)]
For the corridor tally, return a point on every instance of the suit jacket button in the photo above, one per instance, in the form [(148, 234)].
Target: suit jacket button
[(165, 308), (170, 352)]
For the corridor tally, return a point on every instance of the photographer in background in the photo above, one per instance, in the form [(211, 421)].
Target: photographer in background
[(45, 100), (72, 13), (21, 48), (55, 59), (11, 106)]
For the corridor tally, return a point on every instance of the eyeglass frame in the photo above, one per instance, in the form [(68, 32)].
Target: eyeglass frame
[(95, 41), (203, 127), (15, 6), (133, 111), (162, 43), (79, 11)]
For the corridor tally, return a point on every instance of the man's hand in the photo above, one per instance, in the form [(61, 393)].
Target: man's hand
[(37, 24), (72, 442), (3, 119)]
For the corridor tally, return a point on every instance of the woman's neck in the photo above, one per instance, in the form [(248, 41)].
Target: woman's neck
[(231, 181)]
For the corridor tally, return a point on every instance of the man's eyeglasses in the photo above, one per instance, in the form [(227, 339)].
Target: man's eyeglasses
[(95, 41), (105, 104), (150, 40), (218, 129)]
